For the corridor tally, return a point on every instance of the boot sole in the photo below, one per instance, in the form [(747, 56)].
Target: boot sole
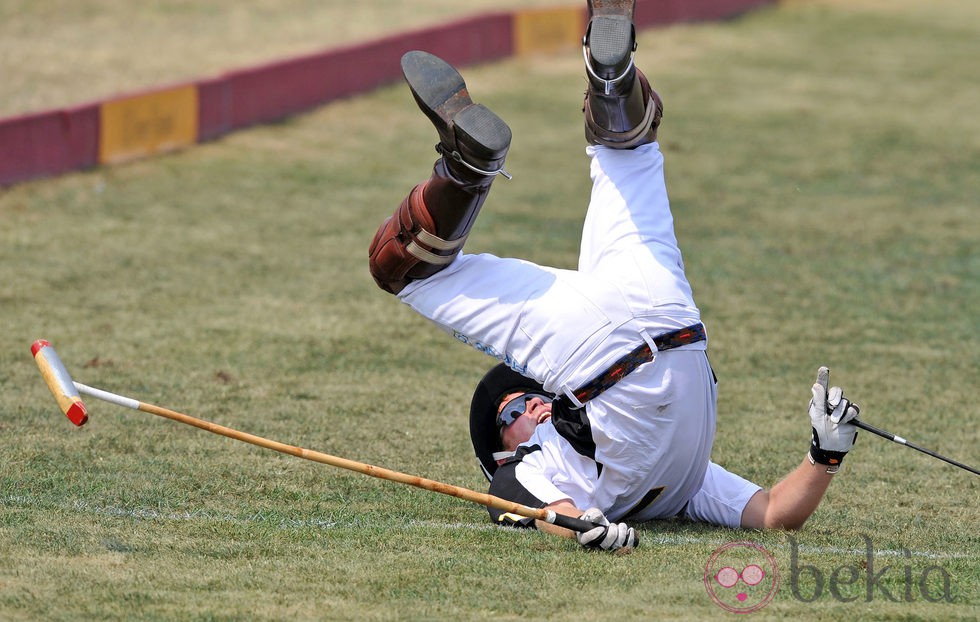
[(441, 94)]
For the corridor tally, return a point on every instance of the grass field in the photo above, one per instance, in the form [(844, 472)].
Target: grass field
[(56, 54), (823, 160)]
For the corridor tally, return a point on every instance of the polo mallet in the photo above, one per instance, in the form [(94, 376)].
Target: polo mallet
[(901, 441), (66, 393)]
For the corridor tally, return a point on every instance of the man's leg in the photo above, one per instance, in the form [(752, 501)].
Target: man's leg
[(621, 110), (430, 226), (628, 231)]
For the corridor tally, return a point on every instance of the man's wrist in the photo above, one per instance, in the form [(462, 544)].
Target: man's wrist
[(830, 459)]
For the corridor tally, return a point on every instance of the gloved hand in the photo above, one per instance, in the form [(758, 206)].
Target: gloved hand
[(830, 413), (608, 537)]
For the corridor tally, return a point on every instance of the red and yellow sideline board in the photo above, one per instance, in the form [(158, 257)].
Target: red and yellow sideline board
[(60, 140), (148, 123), (539, 31)]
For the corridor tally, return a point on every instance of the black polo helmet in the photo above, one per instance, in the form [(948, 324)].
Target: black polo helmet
[(497, 383)]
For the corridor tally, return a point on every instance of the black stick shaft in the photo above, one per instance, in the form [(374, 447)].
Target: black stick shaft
[(901, 441), (575, 524)]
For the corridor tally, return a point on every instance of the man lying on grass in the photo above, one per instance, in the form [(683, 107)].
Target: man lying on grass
[(604, 404)]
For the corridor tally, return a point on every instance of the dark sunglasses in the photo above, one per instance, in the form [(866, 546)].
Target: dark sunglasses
[(516, 407)]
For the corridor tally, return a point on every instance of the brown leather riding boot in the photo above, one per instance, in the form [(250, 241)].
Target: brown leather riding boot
[(621, 110), (452, 204), (429, 228)]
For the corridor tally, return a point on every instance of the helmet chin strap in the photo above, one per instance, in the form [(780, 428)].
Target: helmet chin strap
[(502, 455)]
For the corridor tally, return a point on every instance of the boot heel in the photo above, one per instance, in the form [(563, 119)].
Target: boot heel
[(484, 138), (472, 139), (610, 44)]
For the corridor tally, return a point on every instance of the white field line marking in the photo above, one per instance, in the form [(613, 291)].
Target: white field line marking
[(802, 548), (259, 518)]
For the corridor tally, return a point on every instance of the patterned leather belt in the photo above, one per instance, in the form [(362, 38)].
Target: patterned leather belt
[(640, 355)]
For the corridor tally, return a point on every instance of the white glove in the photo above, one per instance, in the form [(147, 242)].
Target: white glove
[(608, 537), (830, 413)]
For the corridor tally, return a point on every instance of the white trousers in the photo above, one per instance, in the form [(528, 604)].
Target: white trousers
[(562, 327), (654, 429)]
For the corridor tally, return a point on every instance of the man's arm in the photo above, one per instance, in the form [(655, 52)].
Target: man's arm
[(565, 507), (791, 502)]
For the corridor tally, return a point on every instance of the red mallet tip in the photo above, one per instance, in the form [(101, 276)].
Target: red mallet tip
[(77, 414)]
